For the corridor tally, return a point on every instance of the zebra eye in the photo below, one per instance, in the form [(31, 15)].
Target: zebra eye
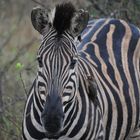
[(73, 62), (40, 62)]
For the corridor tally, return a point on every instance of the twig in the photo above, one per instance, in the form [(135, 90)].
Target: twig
[(122, 10), (11, 33), (97, 7), (2, 129), (13, 122), (20, 52), (1, 94), (23, 84), (37, 2), (12, 102)]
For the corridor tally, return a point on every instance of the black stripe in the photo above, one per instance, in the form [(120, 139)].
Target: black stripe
[(81, 120), (89, 123), (72, 119), (36, 115), (30, 128), (94, 123), (98, 24), (70, 114), (38, 102), (101, 41), (132, 46), (117, 40)]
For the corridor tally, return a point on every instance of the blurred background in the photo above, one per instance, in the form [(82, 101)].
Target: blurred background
[(18, 46)]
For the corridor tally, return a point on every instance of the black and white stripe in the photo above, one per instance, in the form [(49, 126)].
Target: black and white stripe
[(112, 47), (109, 52)]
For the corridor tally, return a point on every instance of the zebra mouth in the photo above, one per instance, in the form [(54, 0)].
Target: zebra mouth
[(52, 128), (52, 135)]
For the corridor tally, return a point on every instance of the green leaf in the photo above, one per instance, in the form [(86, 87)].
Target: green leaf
[(19, 66)]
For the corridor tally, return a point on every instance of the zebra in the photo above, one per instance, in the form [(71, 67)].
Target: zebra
[(88, 90)]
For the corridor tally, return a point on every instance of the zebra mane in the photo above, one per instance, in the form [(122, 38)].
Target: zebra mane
[(63, 16)]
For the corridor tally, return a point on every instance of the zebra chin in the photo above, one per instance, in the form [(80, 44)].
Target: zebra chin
[(53, 126), (52, 135), (53, 130)]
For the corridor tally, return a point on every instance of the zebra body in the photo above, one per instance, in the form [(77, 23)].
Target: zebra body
[(112, 47), (109, 52)]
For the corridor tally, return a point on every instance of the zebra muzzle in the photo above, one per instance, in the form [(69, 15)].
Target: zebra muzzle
[(52, 117)]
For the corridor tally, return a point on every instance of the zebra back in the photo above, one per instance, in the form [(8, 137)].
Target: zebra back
[(111, 48)]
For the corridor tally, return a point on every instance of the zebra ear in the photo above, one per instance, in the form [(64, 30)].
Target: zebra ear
[(39, 18), (79, 22)]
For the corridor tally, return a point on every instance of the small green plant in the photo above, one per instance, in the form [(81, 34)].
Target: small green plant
[(19, 66)]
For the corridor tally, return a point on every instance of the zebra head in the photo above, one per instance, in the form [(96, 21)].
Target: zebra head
[(57, 78)]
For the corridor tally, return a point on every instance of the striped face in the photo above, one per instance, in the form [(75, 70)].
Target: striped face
[(57, 79), (57, 59)]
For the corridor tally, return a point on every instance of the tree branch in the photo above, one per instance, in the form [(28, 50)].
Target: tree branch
[(23, 84), (20, 52), (5, 131), (14, 101), (39, 3), (98, 8)]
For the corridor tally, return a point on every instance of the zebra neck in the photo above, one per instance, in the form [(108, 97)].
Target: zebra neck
[(82, 112), (86, 68)]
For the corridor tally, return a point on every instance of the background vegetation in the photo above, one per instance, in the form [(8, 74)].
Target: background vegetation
[(18, 46)]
